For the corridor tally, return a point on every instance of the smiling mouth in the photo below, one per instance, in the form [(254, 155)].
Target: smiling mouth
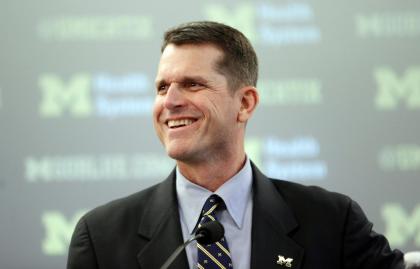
[(173, 124)]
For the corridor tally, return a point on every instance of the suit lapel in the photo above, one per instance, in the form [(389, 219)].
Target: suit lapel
[(161, 228), (272, 222)]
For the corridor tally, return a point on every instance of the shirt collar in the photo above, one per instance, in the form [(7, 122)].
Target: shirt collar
[(235, 193)]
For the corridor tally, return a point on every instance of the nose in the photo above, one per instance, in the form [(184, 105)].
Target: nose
[(174, 97)]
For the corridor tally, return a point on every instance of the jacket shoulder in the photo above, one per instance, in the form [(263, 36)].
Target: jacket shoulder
[(121, 210), (318, 195), (314, 201)]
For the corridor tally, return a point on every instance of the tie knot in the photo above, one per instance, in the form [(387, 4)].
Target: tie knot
[(212, 203)]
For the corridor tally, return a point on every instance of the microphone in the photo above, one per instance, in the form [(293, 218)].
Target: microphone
[(207, 233)]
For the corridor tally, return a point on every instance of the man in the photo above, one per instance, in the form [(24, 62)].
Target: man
[(205, 94)]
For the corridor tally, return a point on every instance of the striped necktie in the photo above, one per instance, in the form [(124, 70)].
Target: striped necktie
[(215, 255)]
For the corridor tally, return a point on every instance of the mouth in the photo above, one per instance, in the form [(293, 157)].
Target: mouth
[(179, 123)]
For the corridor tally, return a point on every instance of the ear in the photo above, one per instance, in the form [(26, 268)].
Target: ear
[(249, 101)]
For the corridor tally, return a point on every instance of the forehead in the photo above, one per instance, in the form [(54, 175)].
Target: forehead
[(178, 61)]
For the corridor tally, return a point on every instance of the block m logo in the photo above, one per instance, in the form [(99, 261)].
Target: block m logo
[(58, 231), (401, 228), (393, 89), (284, 261), (58, 96)]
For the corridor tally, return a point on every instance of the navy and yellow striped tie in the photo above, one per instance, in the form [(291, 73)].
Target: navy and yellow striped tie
[(214, 255)]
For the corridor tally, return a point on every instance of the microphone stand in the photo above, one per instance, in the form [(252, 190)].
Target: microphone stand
[(179, 249)]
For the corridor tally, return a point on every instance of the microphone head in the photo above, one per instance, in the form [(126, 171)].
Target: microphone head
[(210, 232)]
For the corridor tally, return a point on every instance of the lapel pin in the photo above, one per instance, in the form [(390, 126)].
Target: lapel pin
[(284, 261)]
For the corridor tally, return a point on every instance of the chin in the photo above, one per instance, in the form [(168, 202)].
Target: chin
[(176, 152), (182, 155)]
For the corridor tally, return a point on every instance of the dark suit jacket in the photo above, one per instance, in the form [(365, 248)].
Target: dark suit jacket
[(317, 228)]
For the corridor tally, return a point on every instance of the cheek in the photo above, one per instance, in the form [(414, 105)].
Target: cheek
[(157, 110), (228, 109), (210, 105)]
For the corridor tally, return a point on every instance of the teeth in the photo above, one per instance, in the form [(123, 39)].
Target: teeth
[(177, 123)]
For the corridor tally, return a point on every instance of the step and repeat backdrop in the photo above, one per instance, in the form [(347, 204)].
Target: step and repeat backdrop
[(340, 108)]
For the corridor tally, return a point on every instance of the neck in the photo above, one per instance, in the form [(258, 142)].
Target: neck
[(214, 172)]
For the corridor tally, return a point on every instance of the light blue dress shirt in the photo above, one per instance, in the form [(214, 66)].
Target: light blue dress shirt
[(237, 219)]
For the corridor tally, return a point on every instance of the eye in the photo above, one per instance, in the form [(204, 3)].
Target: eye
[(162, 88), (193, 85)]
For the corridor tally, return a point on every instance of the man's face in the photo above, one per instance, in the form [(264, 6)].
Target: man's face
[(195, 114)]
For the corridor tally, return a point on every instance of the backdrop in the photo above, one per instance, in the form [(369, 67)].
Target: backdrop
[(340, 104)]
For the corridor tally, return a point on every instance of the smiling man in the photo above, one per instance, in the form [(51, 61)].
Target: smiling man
[(205, 94), (198, 116)]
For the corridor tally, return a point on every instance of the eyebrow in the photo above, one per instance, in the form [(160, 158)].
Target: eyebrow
[(184, 79)]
